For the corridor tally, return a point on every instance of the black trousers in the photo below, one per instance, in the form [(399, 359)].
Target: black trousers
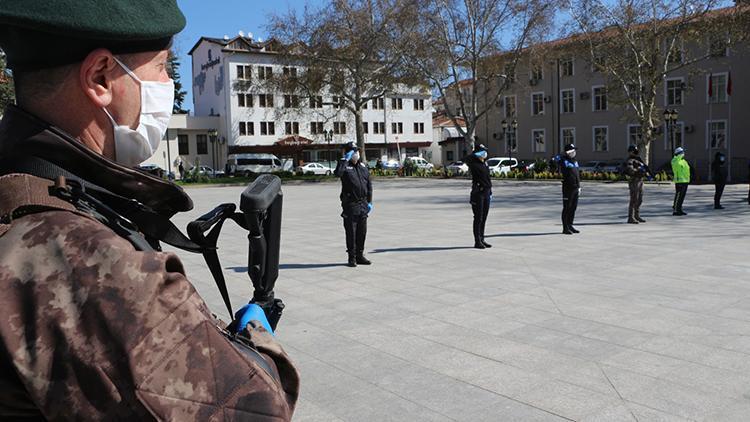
[(718, 193), (570, 204), (355, 227), (680, 190), (480, 205)]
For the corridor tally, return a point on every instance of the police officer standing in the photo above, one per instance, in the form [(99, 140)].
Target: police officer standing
[(356, 202), (719, 174), (635, 169), (98, 323), (571, 187), (681, 176), (481, 192)]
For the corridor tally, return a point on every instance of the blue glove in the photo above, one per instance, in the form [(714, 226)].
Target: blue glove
[(251, 312), (490, 198), (348, 155), (369, 207), (481, 154)]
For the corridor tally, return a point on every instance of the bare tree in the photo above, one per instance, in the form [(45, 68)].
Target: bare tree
[(468, 50), (636, 44), (348, 52)]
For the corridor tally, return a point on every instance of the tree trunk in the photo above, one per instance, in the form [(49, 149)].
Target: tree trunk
[(360, 132)]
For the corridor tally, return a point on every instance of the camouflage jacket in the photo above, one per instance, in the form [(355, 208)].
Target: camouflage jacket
[(94, 329), (635, 168)]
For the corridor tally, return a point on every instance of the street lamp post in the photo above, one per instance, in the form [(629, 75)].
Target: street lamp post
[(504, 126), (670, 120), (513, 126), (212, 134), (329, 137)]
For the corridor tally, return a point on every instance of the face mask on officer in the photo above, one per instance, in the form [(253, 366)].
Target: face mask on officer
[(571, 153), (722, 158), (355, 157), (482, 155), (133, 146)]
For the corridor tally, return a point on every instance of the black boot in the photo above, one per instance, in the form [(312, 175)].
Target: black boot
[(352, 261), (638, 217), (486, 245), (361, 260), (573, 229), (566, 230), (478, 244)]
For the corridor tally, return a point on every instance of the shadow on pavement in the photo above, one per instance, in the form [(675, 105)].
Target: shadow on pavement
[(293, 267), (422, 249), (522, 234)]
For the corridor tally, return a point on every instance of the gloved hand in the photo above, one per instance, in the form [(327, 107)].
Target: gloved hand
[(579, 191), (251, 312), (490, 198), (348, 155), (369, 207)]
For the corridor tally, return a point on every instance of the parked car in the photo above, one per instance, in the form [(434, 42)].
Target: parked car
[(525, 165), (208, 171), (246, 164), (592, 166), (457, 167), (421, 163), (391, 164), (315, 168), (152, 169), (501, 165)]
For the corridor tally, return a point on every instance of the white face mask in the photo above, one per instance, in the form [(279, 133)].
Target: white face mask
[(133, 147), (355, 157), (571, 154)]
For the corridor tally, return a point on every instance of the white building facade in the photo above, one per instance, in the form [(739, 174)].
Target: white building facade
[(228, 74)]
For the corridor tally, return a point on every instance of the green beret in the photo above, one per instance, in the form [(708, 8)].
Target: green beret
[(38, 34)]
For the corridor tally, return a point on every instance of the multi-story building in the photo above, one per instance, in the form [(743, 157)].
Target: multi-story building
[(254, 119), (563, 99)]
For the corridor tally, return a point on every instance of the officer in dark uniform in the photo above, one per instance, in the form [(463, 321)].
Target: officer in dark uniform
[(636, 169), (356, 202), (719, 174), (481, 192), (571, 187)]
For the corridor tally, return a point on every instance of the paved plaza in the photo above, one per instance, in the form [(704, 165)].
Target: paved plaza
[(622, 322)]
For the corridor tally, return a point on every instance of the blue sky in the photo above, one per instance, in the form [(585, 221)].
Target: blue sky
[(224, 17)]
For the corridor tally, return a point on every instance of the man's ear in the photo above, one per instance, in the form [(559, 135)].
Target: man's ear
[(97, 72)]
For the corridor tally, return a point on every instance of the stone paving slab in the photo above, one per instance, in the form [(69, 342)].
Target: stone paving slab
[(619, 323)]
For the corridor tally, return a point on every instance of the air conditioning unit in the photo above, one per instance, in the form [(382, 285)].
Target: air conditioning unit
[(548, 99), (533, 82), (585, 95), (689, 128)]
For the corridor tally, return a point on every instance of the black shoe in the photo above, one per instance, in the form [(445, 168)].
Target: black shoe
[(632, 221), (573, 229), (639, 219), (479, 245), (361, 260), (676, 213), (718, 207), (486, 245), (352, 262), (567, 231)]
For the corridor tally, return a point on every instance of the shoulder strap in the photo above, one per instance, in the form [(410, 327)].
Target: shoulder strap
[(22, 194)]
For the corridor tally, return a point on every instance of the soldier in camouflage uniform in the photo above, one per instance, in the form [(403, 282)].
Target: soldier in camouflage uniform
[(636, 170), (98, 324)]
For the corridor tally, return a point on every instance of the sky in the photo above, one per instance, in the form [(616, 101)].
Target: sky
[(217, 18)]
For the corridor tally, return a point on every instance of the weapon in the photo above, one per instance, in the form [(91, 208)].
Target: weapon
[(260, 215)]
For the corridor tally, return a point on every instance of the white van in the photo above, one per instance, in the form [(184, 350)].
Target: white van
[(501, 165), (245, 164)]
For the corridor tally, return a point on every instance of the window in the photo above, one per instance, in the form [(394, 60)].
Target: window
[(717, 88), (291, 101), (718, 47), (397, 103), (418, 128), (568, 135), (675, 137), (717, 133), (364, 105), (378, 127), (316, 101), (243, 128), (244, 100), (601, 138), (537, 103), (244, 72), (289, 72), (183, 145), (536, 73), (291, 128), (397, 127), (566, 67), (202, 144), (674, 92), (418, 104), (316, 128), (635, 134), (365, 127), (600, 98), (339, 128), (568, 101), (247, 128), (449, 155), (265, 72), (267, 128), (265, 100), (378, 103), (510, 106), (538, 143)]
